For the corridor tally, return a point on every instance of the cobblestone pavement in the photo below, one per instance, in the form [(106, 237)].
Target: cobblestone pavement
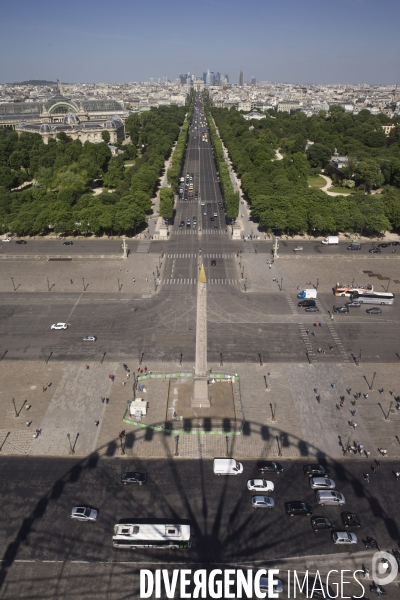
[(303, 426), (108, 276)]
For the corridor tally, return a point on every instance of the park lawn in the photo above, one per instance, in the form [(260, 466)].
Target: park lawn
[(316, 181)]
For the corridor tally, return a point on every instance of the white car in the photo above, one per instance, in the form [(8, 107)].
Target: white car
[(344, 537), (84, 513), (203, 203), (6, 240), (89, 338), (322, 483), (59, 326), (260, 485), (262, 502)]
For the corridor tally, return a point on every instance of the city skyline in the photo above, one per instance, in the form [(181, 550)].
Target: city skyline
[(308, 42)]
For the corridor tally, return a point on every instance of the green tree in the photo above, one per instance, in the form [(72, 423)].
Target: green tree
[(105, 135)]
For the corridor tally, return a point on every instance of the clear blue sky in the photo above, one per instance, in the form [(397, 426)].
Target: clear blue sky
[(325, 41)]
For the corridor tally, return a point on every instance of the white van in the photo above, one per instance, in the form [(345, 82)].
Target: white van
[(227, 466), (310, 293), (329, 497)]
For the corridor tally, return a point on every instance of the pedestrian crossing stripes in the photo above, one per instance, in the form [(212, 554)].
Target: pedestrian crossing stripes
[(205, 255), (193, 281), (195, 231)]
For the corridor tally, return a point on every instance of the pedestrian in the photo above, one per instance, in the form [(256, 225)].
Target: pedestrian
[(378, 463), (378, 591), (391, 392), (138, 369), (44, 389), (128, 375), (141, 370), (366, 573), (124, 383), (102, 400), (360, 448), (397, 474), (134, 280), (341, 404), (367, 453), (366, 396), (366, 477), (313, 333), (71, 281), (270, 266), (97, 423), (384, 451), (323, 351), (307, 331), (147, 279), (87, 366), (107, 401)]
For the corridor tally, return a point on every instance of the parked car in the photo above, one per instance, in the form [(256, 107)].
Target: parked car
[(68, 243), (213, 262), (298, 508), (344, 537), (262, 502), (89, 338), (322, 483), (374, 310), (341, 309), (133, 477), (266, 466), (315, 470), (312, 309), (383, 246), (20, 241), (318, 523), (260, 485), (59, 326), (353, 304), (277, 587), (329, 497), (6, 240), (84, 513), (375, 250), (350, 519)]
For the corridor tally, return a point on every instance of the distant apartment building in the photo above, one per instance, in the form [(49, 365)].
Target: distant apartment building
[(241, 75), (288, 106)]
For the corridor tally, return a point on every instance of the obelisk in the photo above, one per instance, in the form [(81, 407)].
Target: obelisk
[(200, 394)]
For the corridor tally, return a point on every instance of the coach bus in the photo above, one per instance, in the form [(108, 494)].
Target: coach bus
[(152, 533), (346, 289), (373, 297)]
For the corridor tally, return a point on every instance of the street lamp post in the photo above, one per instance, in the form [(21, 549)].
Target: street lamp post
[(266, 379), (119, 287), (180, 359), (15, 408), (122, 440), (221, 364), (83, 282), (71, 450), (260, 359), (141, 358), (176, 445), (227, 446), (390, 408), (372, 382)]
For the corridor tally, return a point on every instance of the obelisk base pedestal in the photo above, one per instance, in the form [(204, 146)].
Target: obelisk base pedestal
[(200, 393)]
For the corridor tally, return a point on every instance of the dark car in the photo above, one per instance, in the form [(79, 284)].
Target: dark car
[(312, 309), (213, 262), (68, 243), (298, 508), (318, 523), (266, 466), (315, 470), (341, 309), (394, 243), (383, 245), (211, 218), (350, 519), (20, 242), (375, 310), (307, 302), (374, 250), (133, 477)]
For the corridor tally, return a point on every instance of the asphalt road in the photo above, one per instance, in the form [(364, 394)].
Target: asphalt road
[(37, 496)]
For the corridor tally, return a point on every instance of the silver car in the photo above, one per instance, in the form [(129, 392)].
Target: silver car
[(277, 587), (322, 483), (89, 338), (84, 513), (260, 485), (344, 537), (262, 502)]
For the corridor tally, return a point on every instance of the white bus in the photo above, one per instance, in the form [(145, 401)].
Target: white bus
[(152, 533), (373, 297)]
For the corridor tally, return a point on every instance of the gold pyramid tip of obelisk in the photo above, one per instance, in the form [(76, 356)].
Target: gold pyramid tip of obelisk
[(202, 275)]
